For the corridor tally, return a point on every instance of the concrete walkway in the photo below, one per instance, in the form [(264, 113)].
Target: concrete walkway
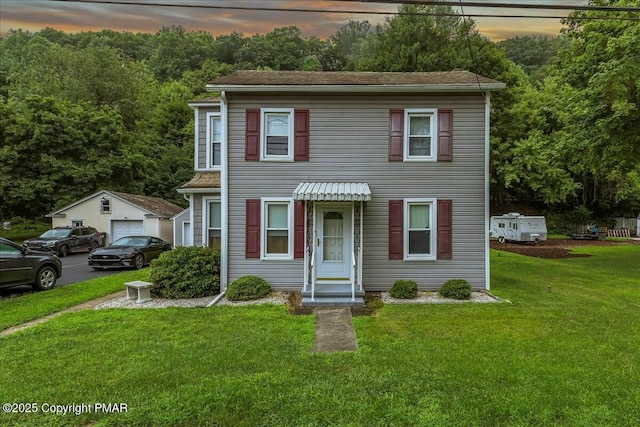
[(84, 306), (334, 330)]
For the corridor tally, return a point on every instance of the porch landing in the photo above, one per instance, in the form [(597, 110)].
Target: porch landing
[(332, 295)]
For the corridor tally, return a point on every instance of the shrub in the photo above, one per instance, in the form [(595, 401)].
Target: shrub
[(248, 288), (404, 289), (456, 289), (186, 272)]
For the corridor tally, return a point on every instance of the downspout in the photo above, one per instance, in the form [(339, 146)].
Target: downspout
[(487, 142), (217, 298), (224, 194)]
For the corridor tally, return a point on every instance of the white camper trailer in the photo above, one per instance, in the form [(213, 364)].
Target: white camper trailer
[(513, 227)]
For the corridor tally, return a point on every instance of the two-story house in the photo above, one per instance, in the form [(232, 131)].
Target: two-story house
[(333, 183)]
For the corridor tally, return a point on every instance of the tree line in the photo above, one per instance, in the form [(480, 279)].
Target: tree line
[(81, 112)]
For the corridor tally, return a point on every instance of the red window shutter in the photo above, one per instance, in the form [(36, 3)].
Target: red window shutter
[(301, 135), (252, 135), (298, 229), (444, 229), (396, 131), (396, 232), (252, 237), (445, 135)]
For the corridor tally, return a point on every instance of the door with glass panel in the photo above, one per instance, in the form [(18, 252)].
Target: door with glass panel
[(334, 242), (214, 224)]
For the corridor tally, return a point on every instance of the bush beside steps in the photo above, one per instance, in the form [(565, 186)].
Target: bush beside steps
[(247, 288), (404, 289)]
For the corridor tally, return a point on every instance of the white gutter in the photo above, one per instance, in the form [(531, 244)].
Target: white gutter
[(203, 104), (184, 191), (487, 146), (224, 192), (470, 87)]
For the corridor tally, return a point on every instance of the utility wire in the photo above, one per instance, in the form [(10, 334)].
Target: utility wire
[(500, 5), (467, 28), (355, 12)]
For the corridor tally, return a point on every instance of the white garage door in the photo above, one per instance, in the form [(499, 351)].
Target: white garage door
[(122, 228)]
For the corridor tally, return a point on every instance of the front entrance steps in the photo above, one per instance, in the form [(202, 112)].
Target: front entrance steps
[(332, 295)]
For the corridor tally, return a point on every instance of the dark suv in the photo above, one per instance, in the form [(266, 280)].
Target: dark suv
[(65, 240), (22, 266)]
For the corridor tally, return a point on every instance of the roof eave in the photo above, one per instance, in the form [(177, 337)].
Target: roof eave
[(454, 87), (203, 104), (198, 190)]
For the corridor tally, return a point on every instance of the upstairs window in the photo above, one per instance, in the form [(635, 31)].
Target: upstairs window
[(215, 137), (420, 131), (277, 134), (420, 135)]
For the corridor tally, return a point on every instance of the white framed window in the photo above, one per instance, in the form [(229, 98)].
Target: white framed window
[(105, 205), (212, 224), (214, 140), (276, 141), (277, 229), (420, 134), (419, 229), (77, 222)]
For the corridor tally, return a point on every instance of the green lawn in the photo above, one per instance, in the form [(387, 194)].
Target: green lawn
[(17, 310), (570, 357)]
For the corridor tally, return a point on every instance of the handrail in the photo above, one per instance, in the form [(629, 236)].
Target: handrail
[(355, 276), (313, 275)]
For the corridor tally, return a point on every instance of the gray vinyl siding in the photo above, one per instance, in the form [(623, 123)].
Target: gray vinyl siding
[(178, 222), (196, 226), (202, 135), (349, 143)]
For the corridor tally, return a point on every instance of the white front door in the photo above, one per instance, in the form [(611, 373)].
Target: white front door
[(334, 242)]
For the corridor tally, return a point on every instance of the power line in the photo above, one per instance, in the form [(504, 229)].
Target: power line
[(500, 5), (467, 28), (354, 12)]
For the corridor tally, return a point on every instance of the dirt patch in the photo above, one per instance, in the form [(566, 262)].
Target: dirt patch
[(556, 248)]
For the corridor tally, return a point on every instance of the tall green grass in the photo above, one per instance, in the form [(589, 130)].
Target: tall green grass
[(569, 357), (17, 310)]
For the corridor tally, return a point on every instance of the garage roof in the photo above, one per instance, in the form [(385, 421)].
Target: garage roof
[(153, 205), (156, 205)]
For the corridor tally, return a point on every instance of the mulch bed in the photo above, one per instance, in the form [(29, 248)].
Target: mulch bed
[(556, 248)]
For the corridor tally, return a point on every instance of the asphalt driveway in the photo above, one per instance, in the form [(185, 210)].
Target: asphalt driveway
[(74, 269)]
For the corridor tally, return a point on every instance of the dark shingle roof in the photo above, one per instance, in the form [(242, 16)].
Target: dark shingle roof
[(205, 101), (156, 205), (202, 180), (350, 78)]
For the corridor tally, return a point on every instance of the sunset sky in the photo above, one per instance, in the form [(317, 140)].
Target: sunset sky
[(73, 17)]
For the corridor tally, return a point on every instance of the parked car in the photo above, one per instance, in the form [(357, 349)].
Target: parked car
[(130, 251), (65, 240), (24, 266)]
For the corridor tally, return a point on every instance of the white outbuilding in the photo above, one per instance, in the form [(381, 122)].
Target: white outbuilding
[(120, 214)]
